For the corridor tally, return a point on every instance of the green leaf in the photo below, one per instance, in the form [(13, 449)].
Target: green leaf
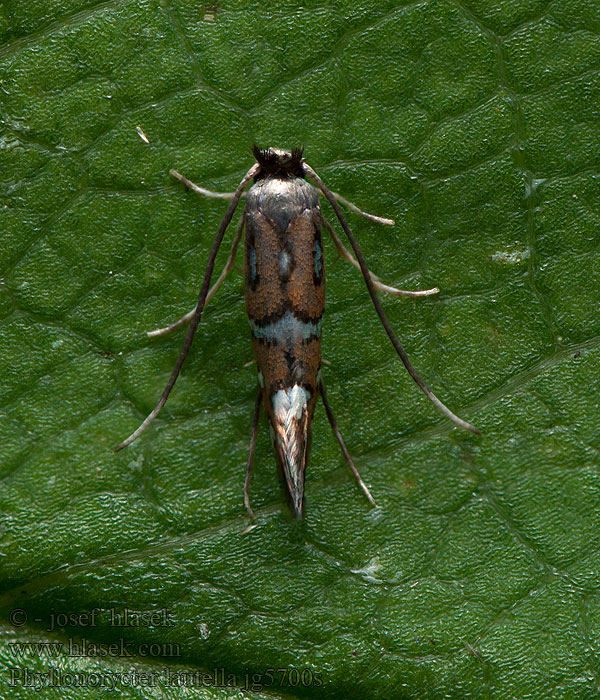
[(475, 125)]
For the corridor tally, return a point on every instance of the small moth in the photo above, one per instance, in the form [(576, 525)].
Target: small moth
[(285, 299)]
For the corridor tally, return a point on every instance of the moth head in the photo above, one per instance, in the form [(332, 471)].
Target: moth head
[(276, 161)]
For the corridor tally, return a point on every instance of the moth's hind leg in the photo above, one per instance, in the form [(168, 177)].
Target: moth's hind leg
[(336, 432), (251, 455), (213, 290), (344, 253)]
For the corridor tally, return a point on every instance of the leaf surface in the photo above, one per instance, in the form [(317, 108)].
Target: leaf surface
[(475, 125)]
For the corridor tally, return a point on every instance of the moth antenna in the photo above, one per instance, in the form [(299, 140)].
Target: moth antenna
[(379, 308), (198, 312), (250, 462)]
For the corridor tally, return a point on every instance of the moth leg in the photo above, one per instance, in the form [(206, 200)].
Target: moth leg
[(213, 290), (379, 308), (202, 190), (187, 344), (377, 283), (251, 455), (360, 212), (336, 432)]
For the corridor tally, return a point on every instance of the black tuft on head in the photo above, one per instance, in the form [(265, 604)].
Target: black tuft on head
[(275, 161)]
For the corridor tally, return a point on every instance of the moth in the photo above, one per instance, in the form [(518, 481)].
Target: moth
[(285, 300)]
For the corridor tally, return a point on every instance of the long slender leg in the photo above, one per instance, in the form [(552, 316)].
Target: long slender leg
[(360, 212), (229, 195), (338, 435), (197, 313), (251, 455), (378, 284), (213, 290), (202, 190), (379, 308)]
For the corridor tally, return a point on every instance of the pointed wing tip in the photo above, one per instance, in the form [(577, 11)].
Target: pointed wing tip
[(297, 501)]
